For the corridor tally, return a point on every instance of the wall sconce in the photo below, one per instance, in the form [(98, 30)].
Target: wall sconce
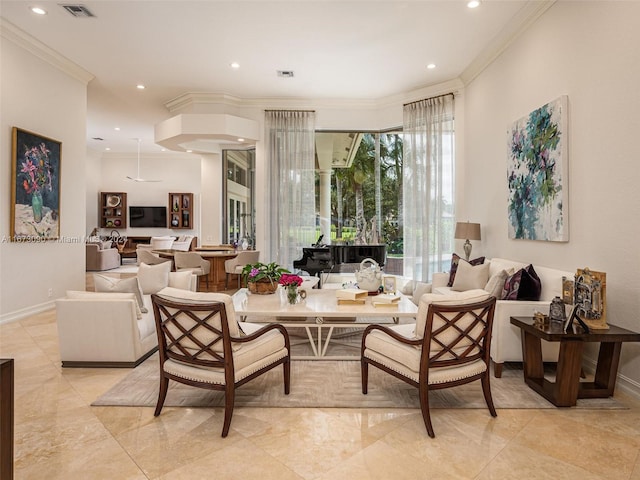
[(467, 231)]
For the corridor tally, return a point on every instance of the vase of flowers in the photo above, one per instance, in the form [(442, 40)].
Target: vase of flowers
[(36, 175), (262, 278), (36, 206), (291, 283)]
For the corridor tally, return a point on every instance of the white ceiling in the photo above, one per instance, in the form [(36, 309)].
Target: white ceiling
[(347, 50)]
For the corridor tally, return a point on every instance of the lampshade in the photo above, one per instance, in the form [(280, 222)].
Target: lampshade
[(467, 231)]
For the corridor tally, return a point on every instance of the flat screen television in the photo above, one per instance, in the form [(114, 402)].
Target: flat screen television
[(147, 217)]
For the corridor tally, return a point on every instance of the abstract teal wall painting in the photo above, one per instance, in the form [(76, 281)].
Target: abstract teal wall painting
[(537, 174)]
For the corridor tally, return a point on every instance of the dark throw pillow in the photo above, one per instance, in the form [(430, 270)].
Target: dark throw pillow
[(522, 285), (455, 259)]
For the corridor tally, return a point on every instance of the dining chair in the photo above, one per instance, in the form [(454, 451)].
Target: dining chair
[(234, 265), (448, 346), (194, 262), (201, 344)]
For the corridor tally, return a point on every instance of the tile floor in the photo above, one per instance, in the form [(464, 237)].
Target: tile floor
[(58, 435)]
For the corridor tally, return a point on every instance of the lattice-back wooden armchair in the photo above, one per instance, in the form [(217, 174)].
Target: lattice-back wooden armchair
[(201, 344), (449, 346)]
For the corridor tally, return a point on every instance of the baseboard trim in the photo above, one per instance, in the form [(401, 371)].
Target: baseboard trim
[(26, 312), (83, 364)]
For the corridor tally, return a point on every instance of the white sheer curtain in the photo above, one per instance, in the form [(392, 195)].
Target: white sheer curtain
[(428, 196), (290, 154)]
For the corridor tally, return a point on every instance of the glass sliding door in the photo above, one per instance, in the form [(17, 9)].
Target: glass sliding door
[(238, 215)]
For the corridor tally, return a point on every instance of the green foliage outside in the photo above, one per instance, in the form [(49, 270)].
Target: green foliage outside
[(358, 187)]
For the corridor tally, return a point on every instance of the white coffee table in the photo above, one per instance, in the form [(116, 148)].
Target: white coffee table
[(319, 315)]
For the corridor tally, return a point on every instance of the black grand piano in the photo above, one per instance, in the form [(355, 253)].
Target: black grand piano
[(338, 258)]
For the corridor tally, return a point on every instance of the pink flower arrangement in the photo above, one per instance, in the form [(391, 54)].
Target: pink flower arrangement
[(289, 280), (36, 169)]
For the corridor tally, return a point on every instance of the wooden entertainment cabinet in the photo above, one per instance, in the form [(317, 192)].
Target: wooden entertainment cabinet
[(180, 210), (113, 210)]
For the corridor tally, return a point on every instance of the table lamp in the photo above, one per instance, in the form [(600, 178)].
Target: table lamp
[(467, 231)]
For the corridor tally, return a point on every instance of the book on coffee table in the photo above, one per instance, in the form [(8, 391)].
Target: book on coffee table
[(351, 294), (349, 301), (386, 300)]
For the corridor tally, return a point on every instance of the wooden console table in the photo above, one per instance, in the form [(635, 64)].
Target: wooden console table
[(567, 388)]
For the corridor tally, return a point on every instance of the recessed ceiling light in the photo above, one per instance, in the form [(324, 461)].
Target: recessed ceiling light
[(241, 139), (107, 148), (117, 129), (38, 10), (140, 87), (431, 66), (234, 65), (473, 3), (189, 151)]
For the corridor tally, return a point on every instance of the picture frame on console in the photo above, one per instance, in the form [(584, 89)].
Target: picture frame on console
[(35, 187), (389, 284)]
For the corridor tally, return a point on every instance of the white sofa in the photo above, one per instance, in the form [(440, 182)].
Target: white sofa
[(506, 345), (108, 329)]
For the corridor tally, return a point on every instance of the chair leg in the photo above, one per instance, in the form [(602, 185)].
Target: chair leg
[(486, 389), (162, 395), (364, 373), (226, 282), (287, 376), (497, 369), (229, 400), (424, 407)]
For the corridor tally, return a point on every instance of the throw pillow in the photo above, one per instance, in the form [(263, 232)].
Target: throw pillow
[(153, 278), (421, 289), (496, 283), (181, 280), (104, 283), (522, 285), (455, 259), (106, 245), (470, 277)]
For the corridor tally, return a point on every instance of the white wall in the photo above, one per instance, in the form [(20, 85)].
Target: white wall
[(179, 173), (27, 99), (588, 51)]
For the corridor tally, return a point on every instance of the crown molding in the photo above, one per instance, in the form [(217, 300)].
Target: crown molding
[(21, 38), (521, 21), (191, 99)]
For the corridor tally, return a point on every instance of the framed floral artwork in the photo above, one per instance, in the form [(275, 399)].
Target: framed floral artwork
[(35, 187), (537, 174)]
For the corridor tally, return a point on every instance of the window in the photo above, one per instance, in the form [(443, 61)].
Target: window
[(366, 188)]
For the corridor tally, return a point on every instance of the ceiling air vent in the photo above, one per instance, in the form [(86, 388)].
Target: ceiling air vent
[(78, 10), (285, 73)]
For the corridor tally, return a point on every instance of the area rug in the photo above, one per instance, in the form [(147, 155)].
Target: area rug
[(331, 384)]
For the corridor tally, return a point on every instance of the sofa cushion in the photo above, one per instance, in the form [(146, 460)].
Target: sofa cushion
[(522, 285), (104, 283), (81, 295), (454, 298), (153, 278), (455, 260), (496, 283), (470, 277)]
